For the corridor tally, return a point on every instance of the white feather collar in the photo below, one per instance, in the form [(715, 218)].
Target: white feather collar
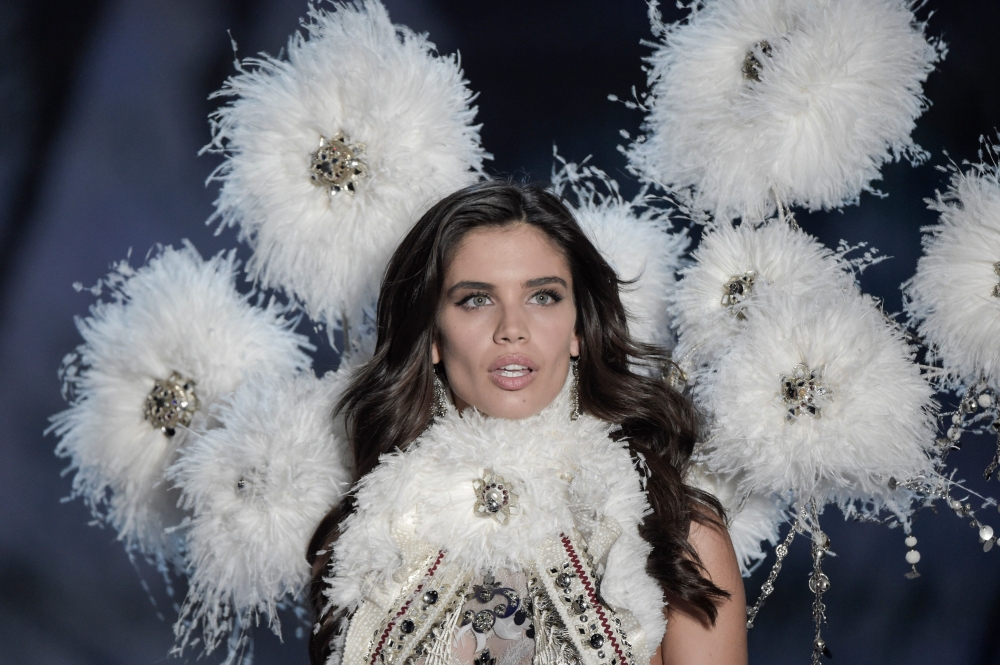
[(567, 474)]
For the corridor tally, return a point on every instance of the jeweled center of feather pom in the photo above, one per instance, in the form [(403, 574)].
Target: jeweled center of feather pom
[(170, 403), (802, 392), (736, 290), (752, 66), (335, 164), (494, 498), (996, 287)]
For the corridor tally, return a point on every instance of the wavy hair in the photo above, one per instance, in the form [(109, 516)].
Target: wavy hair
[(389, 400)]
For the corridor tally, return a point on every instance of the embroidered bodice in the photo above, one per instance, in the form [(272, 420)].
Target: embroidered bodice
[(499, 542)]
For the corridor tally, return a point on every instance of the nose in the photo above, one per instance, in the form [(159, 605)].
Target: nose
[(512, 328)]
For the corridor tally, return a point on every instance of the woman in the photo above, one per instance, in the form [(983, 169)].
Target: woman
[(502, 435)]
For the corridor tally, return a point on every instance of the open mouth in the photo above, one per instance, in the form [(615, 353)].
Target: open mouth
[(512, 372)]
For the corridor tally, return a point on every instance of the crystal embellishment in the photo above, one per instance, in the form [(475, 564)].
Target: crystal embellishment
[(495, 498), (752, 66), (736, 290), (802, 392), (171, 403), (335, 165), (996, 287)]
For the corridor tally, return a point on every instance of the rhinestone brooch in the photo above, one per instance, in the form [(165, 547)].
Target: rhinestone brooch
[(335, 165), (495, 498), (170, 403), (802, 392)]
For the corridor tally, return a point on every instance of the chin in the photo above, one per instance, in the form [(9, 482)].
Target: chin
[(514, 405)]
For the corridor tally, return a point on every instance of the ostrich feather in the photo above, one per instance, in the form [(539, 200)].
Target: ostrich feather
[(179, 313), (257, 487), (383, 87), (818, 397), (954, 297), (773, 253), (799, 101)]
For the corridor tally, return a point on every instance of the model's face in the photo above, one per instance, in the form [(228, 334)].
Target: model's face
[(506, 321)]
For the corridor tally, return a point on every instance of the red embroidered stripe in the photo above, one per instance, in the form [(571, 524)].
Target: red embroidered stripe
[(594, 602), (402, 610)]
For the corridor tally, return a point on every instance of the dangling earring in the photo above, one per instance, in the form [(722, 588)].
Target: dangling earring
[(574, 389), (440, 398)]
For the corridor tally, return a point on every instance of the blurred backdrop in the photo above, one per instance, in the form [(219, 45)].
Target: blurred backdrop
[(103, 109)]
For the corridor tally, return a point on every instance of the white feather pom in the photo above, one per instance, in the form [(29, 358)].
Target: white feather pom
[(955, 294), (818, 397), (381, 85), (641, 248), (257, 487), (731, 263), (179, 314), (636, 240), (799, 99), (751, 519)]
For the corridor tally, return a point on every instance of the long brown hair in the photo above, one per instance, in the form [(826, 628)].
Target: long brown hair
[(389, 400)]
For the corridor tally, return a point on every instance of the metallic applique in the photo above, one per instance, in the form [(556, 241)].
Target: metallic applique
[(170, 403), (802, 392), (416, 627), (736, 290), (596, 627), (495, 498), (561, 612), (996, 287), (752, 66), (335, 165)]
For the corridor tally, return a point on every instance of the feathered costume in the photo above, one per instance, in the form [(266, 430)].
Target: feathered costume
[(549, 500), (198, 432)]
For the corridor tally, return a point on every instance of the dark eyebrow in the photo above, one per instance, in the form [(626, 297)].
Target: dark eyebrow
[(480, 286), (542, 281)]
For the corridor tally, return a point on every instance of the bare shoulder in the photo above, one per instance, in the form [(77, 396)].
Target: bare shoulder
[(715, 549), (691, 639)]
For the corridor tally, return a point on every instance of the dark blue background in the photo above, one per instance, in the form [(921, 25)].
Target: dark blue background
[(102, 112)]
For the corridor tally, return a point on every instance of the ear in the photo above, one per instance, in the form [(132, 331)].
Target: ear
[(435, 354), (574, 346)]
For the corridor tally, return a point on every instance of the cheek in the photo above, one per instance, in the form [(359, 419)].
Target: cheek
[(463, 339), (556, 333)]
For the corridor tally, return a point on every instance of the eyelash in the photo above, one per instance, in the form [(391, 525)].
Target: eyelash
[(464, 302), (556, 297)]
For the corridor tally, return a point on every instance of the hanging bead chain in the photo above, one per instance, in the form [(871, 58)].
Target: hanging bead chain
[(912, 557), (819, 584), (977, 407), (939, 490), (781, 551)]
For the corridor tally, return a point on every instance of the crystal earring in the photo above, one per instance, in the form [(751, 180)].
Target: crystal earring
[(440, 398), (574, 389)]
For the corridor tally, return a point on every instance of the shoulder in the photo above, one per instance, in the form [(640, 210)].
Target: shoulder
[(690, 637)]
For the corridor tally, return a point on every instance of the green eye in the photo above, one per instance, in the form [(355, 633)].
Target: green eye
[(479, 301), (543, 298)]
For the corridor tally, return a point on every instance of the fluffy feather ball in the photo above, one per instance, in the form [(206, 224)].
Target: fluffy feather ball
[(710, 303), (407, 140), (803, 100), (819, 397), (642, 249), (178, 314), (955, 294), (636, 240), (752, 519), (257, 487)]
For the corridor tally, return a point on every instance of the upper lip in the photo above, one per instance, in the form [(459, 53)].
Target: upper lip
[(504, 361)]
